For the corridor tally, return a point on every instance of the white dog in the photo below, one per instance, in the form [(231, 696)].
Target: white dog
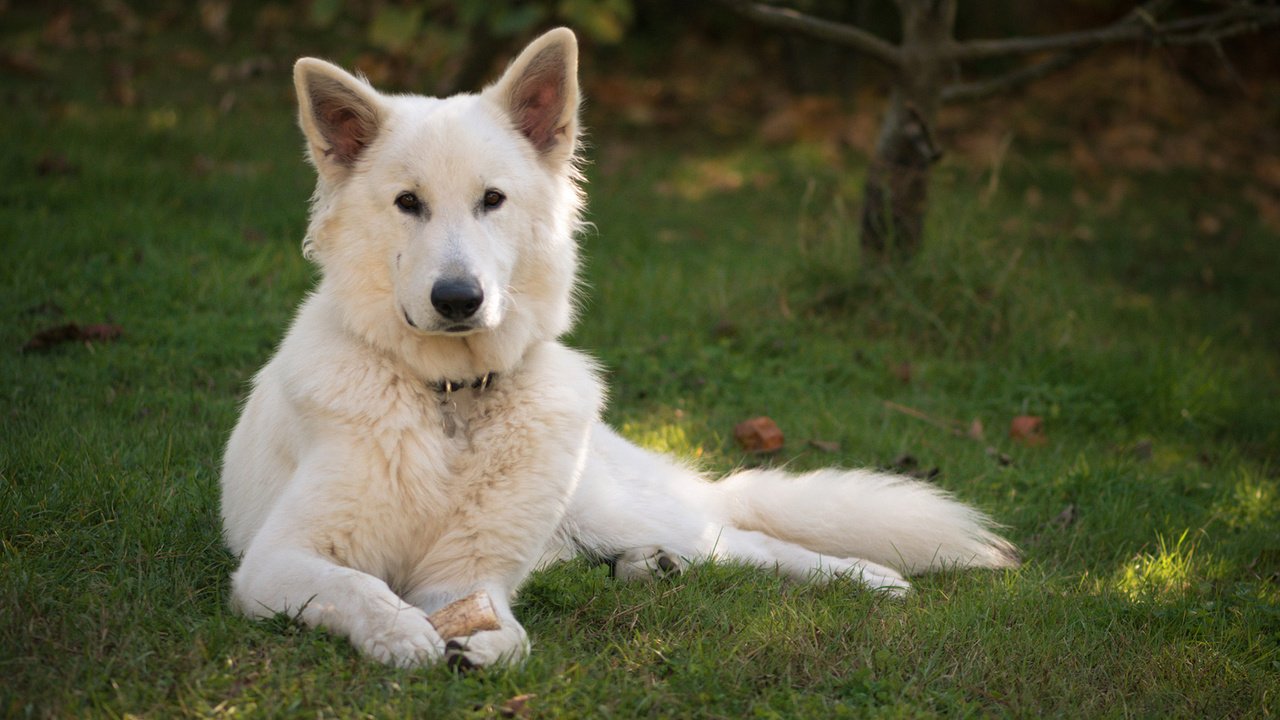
[(421, 433)]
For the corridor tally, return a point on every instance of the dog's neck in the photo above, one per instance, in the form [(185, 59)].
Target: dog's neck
[(452, 394), (481, 383)]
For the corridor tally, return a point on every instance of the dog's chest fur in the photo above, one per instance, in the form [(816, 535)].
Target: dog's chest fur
[(410, 477), (411, 503)]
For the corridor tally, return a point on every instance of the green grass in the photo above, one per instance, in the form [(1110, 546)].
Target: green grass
[(1159, 384)]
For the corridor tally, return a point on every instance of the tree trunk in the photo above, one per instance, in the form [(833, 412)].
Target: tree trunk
[(895, 198)]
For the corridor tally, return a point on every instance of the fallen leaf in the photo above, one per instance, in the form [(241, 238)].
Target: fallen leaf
[(103, 332), (51, 309), (1267, 168), (1033, 197), (825, 445), (516, 707), (907, 464), (1267, 205), (1001, 458), (758, 435), (59, 31), (122, 90), (213, 17), (902, 371), (724, 328), (975, 430), (23, 62), (71, 332), (1067, 517), (1208, 224), (51, 336), (1028, 430), (55, 164)]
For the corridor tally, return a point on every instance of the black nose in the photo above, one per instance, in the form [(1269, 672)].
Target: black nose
[(457, 298)]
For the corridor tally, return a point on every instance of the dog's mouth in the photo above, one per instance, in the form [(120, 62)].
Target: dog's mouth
[(453, 329)]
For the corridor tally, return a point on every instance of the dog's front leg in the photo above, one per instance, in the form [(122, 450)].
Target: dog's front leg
[(320, 593), (495, 539), (514, 489)]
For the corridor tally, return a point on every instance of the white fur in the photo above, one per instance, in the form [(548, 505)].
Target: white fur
[(353, 506)]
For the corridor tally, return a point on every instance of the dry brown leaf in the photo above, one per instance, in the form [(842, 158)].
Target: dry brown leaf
[(759, 435), (71, 332), (517, 707), (902, 371), (1001, 458), (53, 163), (1267, 205), (1028, 430), (975, 430), (1208, 224), (102, 332), (1067, 517)]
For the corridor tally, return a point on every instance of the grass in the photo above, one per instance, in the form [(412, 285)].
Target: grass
[(724, 282)]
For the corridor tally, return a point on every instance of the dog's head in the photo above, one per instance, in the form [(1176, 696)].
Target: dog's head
[(445, 226)]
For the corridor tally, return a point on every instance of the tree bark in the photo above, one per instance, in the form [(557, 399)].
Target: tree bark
[(895, 196)]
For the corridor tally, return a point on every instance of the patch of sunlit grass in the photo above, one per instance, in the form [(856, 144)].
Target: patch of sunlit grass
[(664, 437), (693, 179), (1164, 574), (1253, 501)]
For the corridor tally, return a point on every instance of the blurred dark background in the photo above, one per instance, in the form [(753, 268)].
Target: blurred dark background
[(678, 68)]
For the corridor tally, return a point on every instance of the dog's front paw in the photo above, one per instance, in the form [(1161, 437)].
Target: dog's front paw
[(647, 562), (407, 641), (506, 646)]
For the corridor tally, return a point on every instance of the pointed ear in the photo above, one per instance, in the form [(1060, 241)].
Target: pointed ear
[(339, 113), (539, 92)]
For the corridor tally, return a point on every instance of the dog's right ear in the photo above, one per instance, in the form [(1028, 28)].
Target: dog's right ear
[(339, 113)]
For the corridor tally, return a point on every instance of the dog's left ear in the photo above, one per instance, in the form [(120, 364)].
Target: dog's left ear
[(539, 92)]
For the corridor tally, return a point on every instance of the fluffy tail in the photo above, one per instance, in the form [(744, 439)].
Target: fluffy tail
[(891, 520)]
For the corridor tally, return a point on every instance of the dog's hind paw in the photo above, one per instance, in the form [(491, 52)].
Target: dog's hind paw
[(647, 562), (409, 641), (875, 577)]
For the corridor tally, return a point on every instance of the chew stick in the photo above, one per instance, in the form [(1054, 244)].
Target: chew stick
[(467, 616)]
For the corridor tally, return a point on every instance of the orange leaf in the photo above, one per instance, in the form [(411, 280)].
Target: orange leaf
[(1028, 430), (758, 435)]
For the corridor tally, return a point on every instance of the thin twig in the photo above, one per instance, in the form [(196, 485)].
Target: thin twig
[(1136, 25), (840, 33), (980, 89), (940, 423), (973, 430), (1230, 67), (1139, 23), (1231, 27)]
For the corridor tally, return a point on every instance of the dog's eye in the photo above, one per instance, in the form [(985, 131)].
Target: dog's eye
[(493, 199), (408, 202)]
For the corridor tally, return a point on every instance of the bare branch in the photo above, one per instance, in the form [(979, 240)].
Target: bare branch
[(1141, 23), (839, 33), (1137, 25), (979, 89), (1226, 27)]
